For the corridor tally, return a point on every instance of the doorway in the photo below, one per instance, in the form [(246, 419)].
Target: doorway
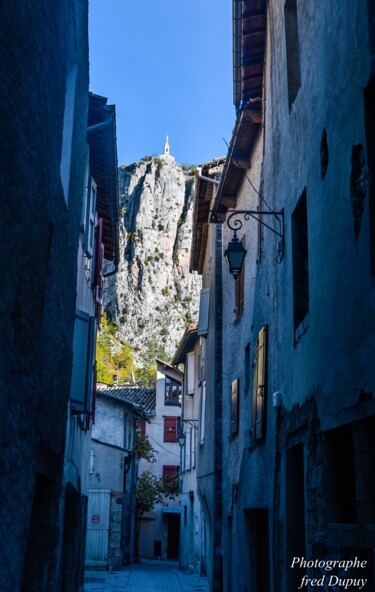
[(173, 544)]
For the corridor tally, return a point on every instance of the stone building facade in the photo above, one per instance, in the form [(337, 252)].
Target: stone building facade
[(298, 405), (58, 176), (43, 127)]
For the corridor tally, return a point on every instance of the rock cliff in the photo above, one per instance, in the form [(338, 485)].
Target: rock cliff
[(153, 296)]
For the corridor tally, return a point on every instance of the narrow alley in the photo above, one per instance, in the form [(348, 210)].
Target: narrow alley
[(147, 576)]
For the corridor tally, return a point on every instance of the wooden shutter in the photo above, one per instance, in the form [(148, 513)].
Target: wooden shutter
[(204, 307), (142, 427), (90, 219), (235, 407), (79, 370), (98, 273), (91, 363), (260, 378), (169, 471), (170, 429)]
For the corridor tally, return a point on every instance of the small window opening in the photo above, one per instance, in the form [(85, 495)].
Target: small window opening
[(292, 50), (300, 262), (324, 158)]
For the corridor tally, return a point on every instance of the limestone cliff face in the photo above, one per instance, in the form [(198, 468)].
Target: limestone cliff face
[(153, 296)]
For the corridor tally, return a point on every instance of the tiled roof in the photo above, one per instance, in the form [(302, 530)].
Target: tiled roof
[(142, 398)]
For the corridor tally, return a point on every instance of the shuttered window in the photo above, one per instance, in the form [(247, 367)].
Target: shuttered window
[(170, 429), (234, 420), (169, 471), (83, 370), (142, 427), (260, 384), (98, 271), (79, 370), (89, 238), (204, 307), (190, 373)]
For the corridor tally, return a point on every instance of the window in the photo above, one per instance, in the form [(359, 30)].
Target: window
[(98, 271), (172, 392), (234, 419), (204, 307), (170, 429), (300, 265), (260, 384), (324, 154), (239, 287), (292, 50)]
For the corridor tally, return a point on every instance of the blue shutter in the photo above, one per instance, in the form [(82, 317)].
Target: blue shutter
[(204, 307), (79, 371), (91, 356)]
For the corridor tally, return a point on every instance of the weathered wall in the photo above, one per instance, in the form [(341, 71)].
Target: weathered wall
[(39, 261)]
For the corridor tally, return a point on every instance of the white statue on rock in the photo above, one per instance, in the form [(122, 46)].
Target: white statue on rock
[(166, 155)]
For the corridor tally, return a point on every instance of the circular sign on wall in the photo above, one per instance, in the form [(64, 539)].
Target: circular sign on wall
[(95, 518)]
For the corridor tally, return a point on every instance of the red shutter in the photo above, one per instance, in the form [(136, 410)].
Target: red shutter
[(98, 272), (170, 429), (142, 427), (169, 471)]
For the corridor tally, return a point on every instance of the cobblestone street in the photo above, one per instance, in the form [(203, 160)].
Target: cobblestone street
[(147, 576)]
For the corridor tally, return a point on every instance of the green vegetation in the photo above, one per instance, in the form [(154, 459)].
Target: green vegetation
[(114, 357)]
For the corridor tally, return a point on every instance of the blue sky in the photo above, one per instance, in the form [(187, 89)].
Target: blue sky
[(167, 66)]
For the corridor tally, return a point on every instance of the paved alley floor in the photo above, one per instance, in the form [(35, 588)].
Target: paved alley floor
[(147, 576)]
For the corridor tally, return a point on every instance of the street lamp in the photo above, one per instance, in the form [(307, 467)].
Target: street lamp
[(234, 256), (236, 252), (181, 438)]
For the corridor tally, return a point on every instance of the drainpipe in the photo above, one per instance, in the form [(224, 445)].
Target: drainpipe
[(209, 179)]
